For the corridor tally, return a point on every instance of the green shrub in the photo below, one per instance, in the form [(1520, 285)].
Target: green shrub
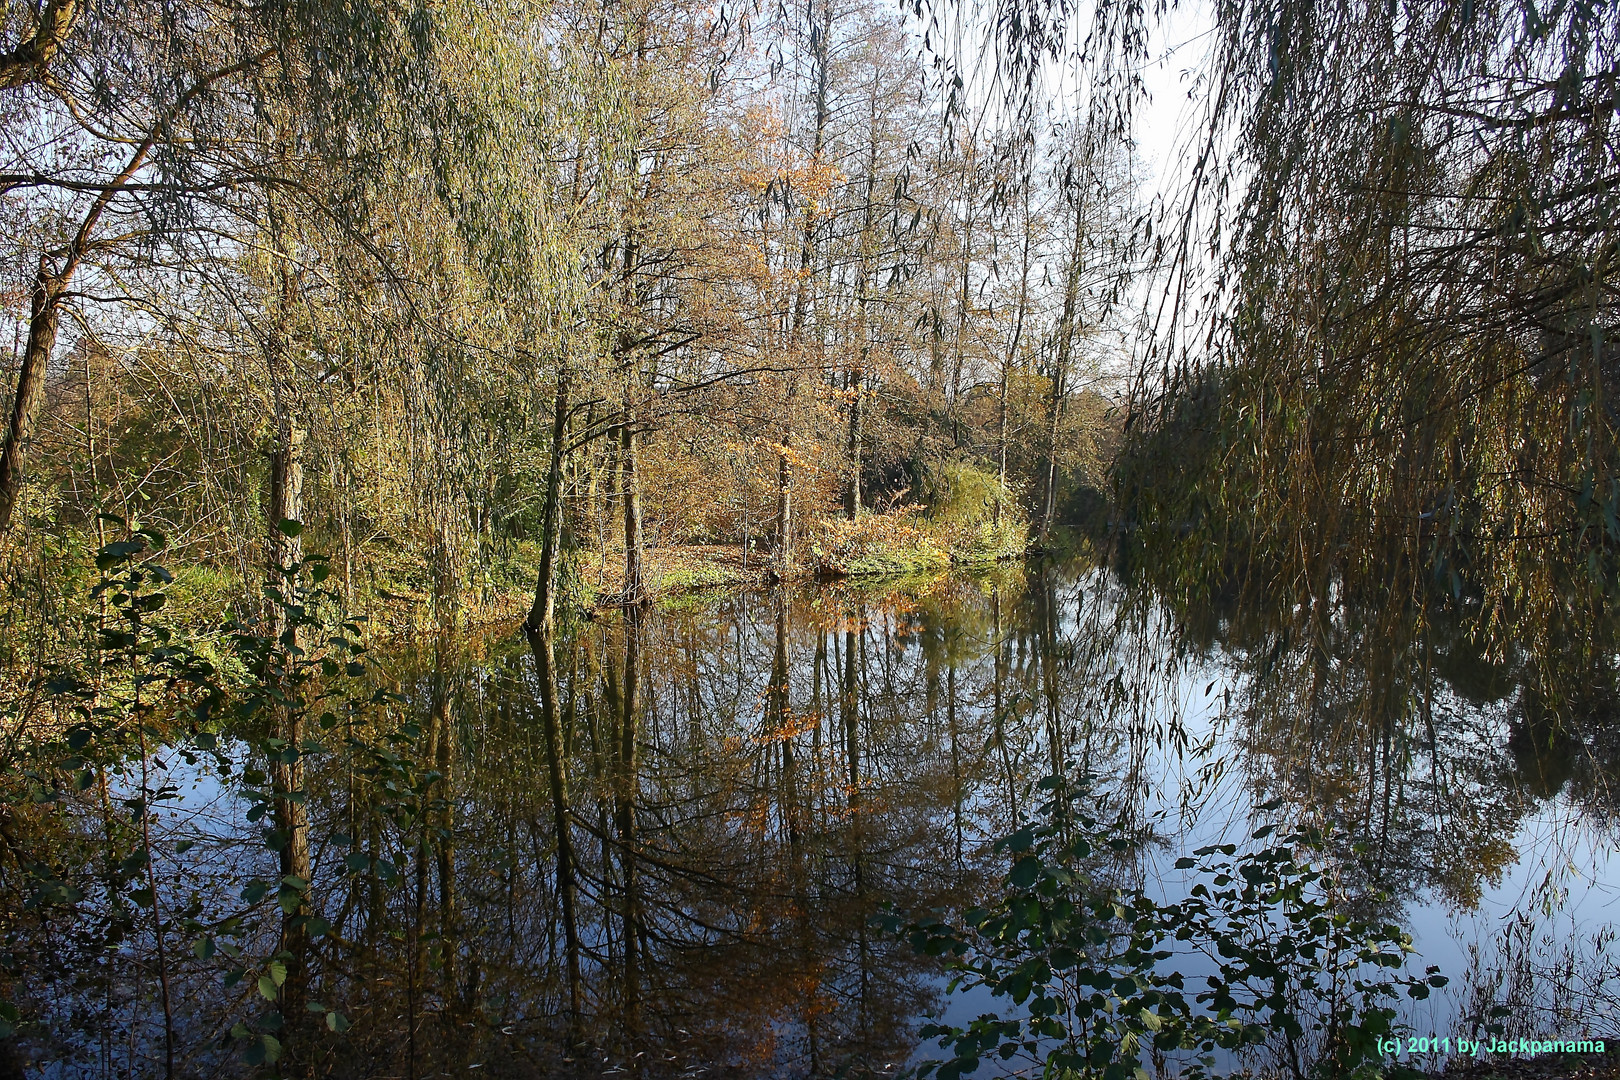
[(972, 515), (1089, 961), (958, 494), (876, 545), (987, 542)]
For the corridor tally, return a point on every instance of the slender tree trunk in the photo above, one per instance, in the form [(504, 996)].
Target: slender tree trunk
[(635, 583), (1060, 366), (540, 644), (625, 814), (44, 315), (863, 286), (1001, 445), (542, 611), (286, 504), (819, 45), (970, 203), (852, 494), (287, 771), (784, 495), (444, 761), (1012, 350)]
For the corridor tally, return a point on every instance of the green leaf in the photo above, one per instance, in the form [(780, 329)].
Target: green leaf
[(337, 1022), (289, 527), (267, 988), (1025, 872), (1022, 840)]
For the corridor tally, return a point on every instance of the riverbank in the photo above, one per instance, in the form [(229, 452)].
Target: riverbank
[(391, 589), (870, 547)]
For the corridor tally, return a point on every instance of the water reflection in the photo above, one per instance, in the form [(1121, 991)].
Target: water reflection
[(654, 845)]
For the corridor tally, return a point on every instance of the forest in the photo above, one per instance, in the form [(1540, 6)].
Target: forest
[(666, 536), (431, 292)]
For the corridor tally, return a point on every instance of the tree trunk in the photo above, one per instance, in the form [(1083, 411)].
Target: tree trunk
[(1060, 367), (784, 500), (625, 814), (857, 375), (969, 201), (784, 476), (1001, 445), (287, 770), (285, 551), (44, 315), (1012, 351), (442, 738), (635, 582), (540, 645), (852, 495), (543, 610)]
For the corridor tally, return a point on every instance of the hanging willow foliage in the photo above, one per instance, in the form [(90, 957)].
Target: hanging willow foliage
[(1387, 357)]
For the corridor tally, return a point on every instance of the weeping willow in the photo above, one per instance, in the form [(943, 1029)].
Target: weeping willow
[(1393, 287)]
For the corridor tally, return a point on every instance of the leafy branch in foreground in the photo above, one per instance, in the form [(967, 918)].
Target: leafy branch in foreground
[(93, 783), (1093, 964)]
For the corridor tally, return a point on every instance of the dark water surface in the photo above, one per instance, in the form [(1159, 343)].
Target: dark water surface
[(749, 778)]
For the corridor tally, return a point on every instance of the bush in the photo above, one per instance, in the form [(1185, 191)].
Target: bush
[(960, 495), (973, 515), (988, 542), (1090, 963), (876, 545)]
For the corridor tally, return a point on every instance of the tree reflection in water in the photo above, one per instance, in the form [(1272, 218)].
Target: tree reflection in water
[(655, 844)]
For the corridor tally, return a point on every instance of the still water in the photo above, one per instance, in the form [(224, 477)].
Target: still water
[(747, 779)]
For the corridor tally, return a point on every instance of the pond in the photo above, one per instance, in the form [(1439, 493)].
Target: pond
[(746, 780)]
